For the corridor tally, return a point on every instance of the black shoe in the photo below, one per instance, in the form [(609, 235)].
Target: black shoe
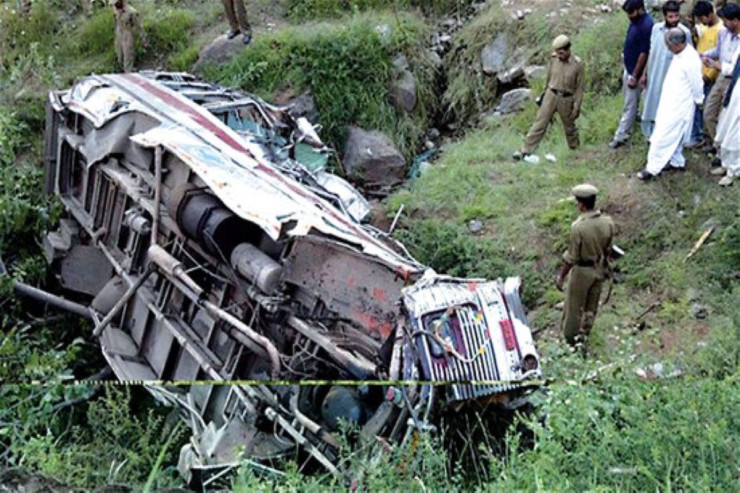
[(709, 149), (644, 175), (715, 162), (518, 155), (247, 38), (614, 144), (232, 33)]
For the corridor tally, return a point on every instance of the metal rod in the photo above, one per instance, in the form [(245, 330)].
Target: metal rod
[(52, 299), (122, 302), (157, 192), (395, 220), (360, 368)]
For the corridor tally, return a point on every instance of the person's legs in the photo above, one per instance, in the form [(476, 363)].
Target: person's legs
[(629, 110), (713, 105), (591, 307), (565, 107), (677, 159), (539, 127), (230, 15), (241, 15), (576, 294)]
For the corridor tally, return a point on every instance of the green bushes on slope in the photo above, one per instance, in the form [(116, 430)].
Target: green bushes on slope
[(347, 66), (302, 10)]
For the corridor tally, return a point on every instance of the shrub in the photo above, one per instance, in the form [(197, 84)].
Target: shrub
[(347, 66), (302, 10)]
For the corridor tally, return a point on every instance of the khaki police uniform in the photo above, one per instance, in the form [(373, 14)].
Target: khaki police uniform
[(127, 20), (563, 94), (236, 14), (590, 243)]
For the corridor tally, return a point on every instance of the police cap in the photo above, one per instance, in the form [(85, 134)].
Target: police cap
[(584, 191), (561, 42)]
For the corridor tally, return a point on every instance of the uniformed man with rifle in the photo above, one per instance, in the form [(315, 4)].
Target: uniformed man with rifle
[(586, 265)]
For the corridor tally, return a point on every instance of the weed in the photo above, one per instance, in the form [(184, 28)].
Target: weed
[(346, 65)]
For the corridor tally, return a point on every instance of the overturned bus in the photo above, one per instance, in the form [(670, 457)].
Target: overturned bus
[(231, 274)]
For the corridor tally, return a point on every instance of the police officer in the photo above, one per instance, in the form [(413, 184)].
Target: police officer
[(563, 93), (127, 20), (586, 260)]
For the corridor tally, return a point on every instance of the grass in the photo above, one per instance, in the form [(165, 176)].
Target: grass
[(347, 66), (304, 10)]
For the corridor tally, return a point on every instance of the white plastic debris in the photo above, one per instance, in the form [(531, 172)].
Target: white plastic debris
[(532, 159), (550, 157)]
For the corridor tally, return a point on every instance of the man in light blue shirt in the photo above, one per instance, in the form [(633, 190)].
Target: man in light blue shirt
[(658, 62)]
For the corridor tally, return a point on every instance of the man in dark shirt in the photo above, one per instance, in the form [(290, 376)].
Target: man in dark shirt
[(635, 54)]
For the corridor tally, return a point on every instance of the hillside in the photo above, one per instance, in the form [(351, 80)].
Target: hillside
[(653, 404)]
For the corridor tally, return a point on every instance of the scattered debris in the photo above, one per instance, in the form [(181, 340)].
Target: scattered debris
[(475, 226), (699, 243), (657, 371), (699, 311), (551, 157)]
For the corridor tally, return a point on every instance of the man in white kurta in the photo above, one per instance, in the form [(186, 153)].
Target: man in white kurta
[(658, 62), (683, 89), (727, 139)]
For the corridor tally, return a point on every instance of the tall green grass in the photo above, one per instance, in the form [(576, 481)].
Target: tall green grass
[(303, 10), (347, 66)]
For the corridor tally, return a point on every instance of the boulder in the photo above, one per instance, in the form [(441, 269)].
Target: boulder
[(371, 159), (435, 59), (511, 75), (532, 72), (493, 55), (219, 51), (400, 63), (403, 91), (513, 100)]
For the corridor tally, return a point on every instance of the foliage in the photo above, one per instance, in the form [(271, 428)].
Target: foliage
[(347, 67), (303, 10), (103, 442)]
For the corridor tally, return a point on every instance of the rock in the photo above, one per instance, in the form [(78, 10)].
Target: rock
[(371, 158), (424, 166), (699, 311), (435, 59), (434, 133), (400, 63), (219, 51), (449, 22), (403, 91), (445, 38), (513, 100), (532, 72), (385, 31), (692, 294), (512, 75), (429, 145), (493, 55), (475, 226), (520, 14)]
